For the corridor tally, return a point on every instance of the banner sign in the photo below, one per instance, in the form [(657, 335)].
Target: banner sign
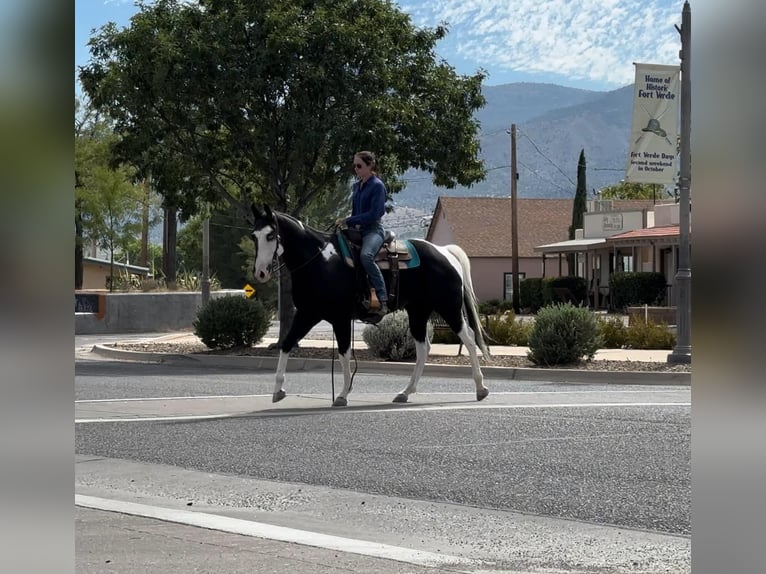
[(654, 132)]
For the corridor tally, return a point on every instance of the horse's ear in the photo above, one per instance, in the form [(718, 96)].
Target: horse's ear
[(256, 212), (267, 211)]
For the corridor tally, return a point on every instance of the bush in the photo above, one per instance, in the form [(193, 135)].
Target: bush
[(563, 334), (391, 339), (636, 288), (649, 335), (531, 294), (494, 306), (613, 331), (228, 322), (505, 329)]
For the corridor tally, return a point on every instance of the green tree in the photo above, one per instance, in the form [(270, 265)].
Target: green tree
[(108, 205), (579, 206), (630, 190), (269, 100)]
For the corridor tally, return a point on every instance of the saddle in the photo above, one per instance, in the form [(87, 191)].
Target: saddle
[(394, 253), (393, 256)]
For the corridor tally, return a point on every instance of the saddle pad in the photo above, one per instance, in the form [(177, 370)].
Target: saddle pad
[(407, 255)]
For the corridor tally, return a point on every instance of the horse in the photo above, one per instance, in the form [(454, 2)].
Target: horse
[(325, 287)]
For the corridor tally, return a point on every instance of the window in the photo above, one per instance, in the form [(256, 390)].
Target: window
[(508, 285)]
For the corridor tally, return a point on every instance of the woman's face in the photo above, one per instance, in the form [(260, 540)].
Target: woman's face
[(361, 169)]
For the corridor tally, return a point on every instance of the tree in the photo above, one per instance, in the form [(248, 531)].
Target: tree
[(631, 190), (269, 100), (108, 206), (579, 206)]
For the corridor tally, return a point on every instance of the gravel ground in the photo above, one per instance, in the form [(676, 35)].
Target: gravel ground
[(365, 355)]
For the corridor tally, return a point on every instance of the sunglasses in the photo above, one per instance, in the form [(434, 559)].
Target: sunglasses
[(358, 165)]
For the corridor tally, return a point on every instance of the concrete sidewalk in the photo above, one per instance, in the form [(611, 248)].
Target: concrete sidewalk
[(640, 355)]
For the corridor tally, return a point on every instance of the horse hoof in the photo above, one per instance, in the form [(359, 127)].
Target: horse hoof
[(340, 402), (278, 396), (400, 398), (482, 394)]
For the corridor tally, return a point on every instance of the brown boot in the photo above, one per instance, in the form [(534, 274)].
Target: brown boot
[(383, 310)]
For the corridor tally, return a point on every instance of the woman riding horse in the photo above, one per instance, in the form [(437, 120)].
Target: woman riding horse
[(324, 288)]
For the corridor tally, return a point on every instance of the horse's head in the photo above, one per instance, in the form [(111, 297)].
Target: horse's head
[(267, 245)]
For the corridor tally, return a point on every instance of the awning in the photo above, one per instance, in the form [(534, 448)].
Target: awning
[(572, 246)]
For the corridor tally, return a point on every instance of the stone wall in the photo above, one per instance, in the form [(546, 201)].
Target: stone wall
[(139, 312)]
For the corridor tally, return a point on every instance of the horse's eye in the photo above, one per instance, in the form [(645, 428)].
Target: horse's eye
[(271, 236)]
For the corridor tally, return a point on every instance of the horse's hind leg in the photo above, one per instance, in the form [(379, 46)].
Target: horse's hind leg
[(418, 328), (301, 325), (467, 336)]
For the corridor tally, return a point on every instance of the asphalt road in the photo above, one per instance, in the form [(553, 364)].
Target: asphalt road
[(524, 480)]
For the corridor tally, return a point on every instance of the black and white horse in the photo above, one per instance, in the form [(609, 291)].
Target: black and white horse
[(324, 287)]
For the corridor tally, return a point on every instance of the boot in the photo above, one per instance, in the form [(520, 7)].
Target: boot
[(383, 310)]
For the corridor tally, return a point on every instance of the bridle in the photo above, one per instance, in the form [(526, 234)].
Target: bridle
[(275, 267)]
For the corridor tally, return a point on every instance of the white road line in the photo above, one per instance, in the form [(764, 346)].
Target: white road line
[(384, 409), (420, 394), (194, 397), (272, 532)]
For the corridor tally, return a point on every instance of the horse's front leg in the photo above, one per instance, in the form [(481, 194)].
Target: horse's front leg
[(418, 329), (342, 328), (302, 324)]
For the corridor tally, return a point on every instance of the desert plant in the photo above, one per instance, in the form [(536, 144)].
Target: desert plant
[(506, 329), (563, 334), (228, 322), (613, 331), (649, 335), (391, 338)]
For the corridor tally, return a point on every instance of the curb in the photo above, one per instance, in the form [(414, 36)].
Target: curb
[(431, 369)]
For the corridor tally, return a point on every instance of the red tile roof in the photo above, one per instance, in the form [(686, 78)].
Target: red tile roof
[(649, 232)]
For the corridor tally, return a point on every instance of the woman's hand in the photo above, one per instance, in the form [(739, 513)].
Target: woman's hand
[(340, 222)]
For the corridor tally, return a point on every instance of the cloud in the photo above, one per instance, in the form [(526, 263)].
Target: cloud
[(591, 39)]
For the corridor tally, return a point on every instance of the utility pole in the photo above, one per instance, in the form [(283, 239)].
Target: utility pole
[(682, 353), (514, 225)]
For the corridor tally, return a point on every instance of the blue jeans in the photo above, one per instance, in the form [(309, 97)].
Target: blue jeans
[(372, 239)]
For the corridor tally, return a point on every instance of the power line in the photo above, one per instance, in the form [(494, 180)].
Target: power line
[(549, 159), (544, 179)]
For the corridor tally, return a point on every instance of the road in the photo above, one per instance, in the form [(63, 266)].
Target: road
[(540, 477)]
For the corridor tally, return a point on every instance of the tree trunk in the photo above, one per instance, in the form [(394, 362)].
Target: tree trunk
[(169, 239), (143, 258), (78, 247)]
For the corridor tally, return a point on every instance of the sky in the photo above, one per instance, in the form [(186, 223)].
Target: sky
[(587, 44)]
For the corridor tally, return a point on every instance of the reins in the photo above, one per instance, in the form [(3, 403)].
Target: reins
[(277, 268)]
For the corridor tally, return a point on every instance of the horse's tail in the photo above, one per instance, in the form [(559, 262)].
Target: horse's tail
[(470, 304)]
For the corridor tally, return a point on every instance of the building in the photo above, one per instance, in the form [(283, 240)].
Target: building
[(621, 236), (482, 227), (96, 272)]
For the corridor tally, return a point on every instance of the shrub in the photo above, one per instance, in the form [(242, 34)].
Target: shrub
[(563, 334), (613, 331), (531, 294), (494, 306), (506, 329), (391, 339), (228, 322), (636, 288), (649, 335)]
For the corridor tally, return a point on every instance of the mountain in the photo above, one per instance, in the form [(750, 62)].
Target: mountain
[(553, 124)]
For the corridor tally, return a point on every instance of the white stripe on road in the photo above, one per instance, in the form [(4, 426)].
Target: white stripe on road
[(463, 393), (272, 532), (195, 397), (383, 409)]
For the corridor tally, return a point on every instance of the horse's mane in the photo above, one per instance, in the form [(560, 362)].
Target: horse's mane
[(323, 236)]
